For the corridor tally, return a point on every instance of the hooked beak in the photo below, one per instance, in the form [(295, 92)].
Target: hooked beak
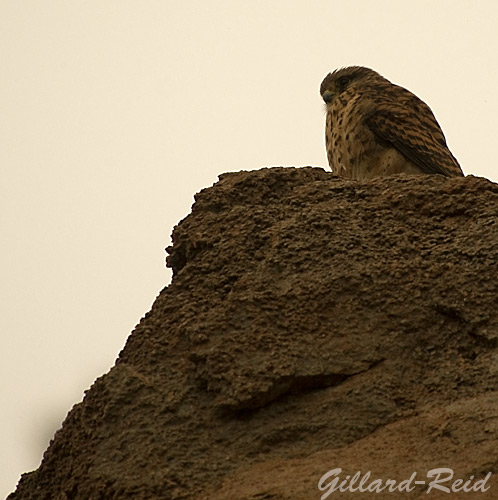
[(327, 96)]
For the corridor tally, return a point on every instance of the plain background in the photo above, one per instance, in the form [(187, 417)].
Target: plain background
[(113, 113)]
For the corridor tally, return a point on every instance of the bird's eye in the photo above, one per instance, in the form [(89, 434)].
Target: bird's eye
[(343, 82)]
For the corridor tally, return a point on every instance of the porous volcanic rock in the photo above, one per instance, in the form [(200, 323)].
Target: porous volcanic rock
[(312, 323)]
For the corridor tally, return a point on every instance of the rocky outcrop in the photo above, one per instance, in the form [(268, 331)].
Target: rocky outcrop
[(312, 323)]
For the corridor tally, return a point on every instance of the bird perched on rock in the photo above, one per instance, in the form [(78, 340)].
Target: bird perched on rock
[(376, 128)]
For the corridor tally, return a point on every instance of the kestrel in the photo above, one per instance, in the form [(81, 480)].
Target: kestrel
[(376, 128)]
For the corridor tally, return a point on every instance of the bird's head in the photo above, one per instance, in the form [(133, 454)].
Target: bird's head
[(337, 82)]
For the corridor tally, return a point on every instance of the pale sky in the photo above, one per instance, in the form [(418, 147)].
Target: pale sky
[(114, 113)]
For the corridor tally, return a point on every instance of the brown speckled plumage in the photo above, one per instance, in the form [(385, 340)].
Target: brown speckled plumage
[(375, 128)]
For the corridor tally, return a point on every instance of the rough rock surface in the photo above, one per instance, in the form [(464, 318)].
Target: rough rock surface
[(312, 323)]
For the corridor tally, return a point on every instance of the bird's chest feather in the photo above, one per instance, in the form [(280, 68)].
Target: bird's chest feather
[(348, 138)]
